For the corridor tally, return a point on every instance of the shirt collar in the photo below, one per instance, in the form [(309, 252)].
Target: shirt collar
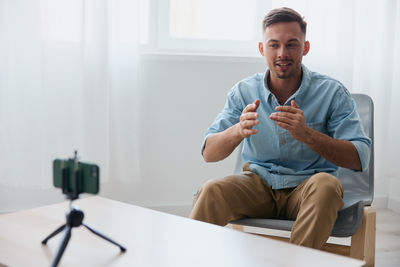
[(298, 95)]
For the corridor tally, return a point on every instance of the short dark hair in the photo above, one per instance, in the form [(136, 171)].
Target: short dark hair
[(284, 14)]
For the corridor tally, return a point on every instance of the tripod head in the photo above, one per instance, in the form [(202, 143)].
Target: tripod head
[(75, 177), (74, 194)]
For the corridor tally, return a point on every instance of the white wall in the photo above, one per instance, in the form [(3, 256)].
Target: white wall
[(179, 98)]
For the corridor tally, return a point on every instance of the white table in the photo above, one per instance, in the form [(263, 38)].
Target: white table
[(152, 239)]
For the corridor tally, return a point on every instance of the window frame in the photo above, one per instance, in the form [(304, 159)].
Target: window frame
[(161, 42)]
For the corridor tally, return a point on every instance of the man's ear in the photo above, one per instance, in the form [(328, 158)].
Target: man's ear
[(306, 48), (261, 48)]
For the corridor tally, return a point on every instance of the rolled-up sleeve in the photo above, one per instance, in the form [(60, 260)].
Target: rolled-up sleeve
[(345, 124), (229, 116), (363, 153)]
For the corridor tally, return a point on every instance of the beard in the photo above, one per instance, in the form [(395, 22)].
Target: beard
[(286, 74)]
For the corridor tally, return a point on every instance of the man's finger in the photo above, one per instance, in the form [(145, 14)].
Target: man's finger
[(284, 125), (294, 104), (252, 107), (281, 118), (249, 116), (249, 108), (249, 132), (249, 123), (283, 114), (287, 109)]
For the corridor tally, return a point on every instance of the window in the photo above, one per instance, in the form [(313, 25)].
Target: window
[(210, 19), (210, 26)]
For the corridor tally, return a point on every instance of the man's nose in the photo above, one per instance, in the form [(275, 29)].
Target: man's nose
[(283, 52)]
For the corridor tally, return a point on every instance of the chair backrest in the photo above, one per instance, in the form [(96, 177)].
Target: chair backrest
[(357, 185), (360, 185)]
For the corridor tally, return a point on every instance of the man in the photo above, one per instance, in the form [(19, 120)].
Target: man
[(297, 127)]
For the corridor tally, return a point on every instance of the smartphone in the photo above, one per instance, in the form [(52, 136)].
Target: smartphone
[(88, 176)]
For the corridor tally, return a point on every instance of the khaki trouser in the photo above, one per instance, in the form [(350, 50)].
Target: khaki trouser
[(313, 204)]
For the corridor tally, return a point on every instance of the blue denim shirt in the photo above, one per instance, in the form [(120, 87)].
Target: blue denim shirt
[(273, 153)]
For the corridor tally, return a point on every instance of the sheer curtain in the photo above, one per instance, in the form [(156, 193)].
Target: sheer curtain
[(68, 81), (358, 42)]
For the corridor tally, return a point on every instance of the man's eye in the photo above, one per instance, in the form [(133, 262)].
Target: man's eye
[(273, 45), (292, 45)]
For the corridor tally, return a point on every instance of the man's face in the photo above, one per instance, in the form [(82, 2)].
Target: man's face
[(283, 47)]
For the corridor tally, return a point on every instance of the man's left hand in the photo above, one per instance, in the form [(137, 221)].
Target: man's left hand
[(292, 119)]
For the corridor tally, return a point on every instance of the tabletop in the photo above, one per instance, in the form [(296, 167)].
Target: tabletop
[(152, 238)]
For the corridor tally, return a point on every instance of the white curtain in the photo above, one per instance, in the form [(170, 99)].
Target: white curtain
[(68, 81), (357, 42)]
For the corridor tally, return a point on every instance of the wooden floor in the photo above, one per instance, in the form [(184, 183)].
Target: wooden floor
[(387, 239)]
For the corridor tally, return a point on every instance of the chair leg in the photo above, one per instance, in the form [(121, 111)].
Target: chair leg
[(238, 227), (332, 248), (363, 241)]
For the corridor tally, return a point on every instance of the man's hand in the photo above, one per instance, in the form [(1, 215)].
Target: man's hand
[(220, 145), (340, 152), (292, 119), (248, 120)]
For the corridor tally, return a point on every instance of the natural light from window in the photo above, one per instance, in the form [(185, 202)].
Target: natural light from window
[(210, 19), (62, 20), (129, 13)]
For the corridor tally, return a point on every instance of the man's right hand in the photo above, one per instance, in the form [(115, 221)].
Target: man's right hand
[(248, 119), (220, 145)]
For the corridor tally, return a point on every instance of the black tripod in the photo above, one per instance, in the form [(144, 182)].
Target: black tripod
[(74, 219)]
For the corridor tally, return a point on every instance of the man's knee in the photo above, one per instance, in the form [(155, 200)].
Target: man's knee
[(211, 190), (325, 186), (326, 181), (222, 189)]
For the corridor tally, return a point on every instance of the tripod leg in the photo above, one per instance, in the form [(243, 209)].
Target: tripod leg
[(59, 229), (123, 249), (62, 246)]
